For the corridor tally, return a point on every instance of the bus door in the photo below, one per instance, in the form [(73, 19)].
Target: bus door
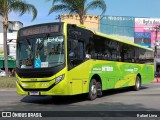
[(76, 56)]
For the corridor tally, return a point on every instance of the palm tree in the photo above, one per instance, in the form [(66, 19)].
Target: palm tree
[(7, 6), (80, 7)]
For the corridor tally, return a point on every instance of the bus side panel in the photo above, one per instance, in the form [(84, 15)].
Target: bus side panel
[(108, 72), (121, 74), (115, 74), (78, 76), (112, 74), (147, 73), (81, 75), (129, 72)]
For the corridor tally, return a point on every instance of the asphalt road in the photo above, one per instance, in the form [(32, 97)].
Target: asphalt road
[(147, 99)]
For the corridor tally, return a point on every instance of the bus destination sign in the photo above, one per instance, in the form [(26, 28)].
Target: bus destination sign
[(39, 30)]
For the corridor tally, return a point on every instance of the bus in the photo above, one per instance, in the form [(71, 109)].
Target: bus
[(61, 59)]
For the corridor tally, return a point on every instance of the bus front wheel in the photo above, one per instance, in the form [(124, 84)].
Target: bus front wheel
[(92, 90), (137, 83)]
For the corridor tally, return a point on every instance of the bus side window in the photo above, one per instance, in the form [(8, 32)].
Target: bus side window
[(80, 50), (90, 49)]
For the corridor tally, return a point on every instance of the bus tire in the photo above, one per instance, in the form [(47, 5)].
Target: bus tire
[(137, 83), (92, 90), (99, 89)]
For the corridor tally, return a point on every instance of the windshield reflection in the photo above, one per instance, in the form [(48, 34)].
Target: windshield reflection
[(40, 52)]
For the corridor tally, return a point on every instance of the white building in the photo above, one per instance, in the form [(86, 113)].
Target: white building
[(13, 27)]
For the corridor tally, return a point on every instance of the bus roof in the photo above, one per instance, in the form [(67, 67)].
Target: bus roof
[(120, 40)]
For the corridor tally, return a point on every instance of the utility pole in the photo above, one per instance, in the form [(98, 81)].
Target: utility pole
[(156, 45), (157, 28)]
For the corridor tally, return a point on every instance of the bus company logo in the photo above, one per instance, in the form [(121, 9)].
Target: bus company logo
[(135, 69), (49, 40), (131, 70), (107, 68)]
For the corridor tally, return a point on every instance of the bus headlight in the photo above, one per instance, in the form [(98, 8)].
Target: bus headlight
[(59, 78)]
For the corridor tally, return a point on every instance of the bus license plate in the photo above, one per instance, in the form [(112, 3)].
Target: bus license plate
[(34, 93)]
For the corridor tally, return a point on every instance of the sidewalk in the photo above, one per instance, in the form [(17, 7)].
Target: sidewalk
[(7, 89), (156, 80)]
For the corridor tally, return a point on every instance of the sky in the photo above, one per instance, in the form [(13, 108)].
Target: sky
[(135, 8)]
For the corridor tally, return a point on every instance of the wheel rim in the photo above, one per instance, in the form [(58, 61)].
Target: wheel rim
[(138, 83), (93, 90)]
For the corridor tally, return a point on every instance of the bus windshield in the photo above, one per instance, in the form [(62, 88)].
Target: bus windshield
[(40, 52)]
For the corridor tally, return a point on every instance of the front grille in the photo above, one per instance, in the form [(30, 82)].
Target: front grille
[(35, 75), (39, 73)]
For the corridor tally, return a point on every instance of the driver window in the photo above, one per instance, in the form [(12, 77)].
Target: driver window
[(76, 52), (73, 48)]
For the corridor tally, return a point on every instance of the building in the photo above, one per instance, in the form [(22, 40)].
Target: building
[(13, 27), (90, 21), (147, 34), (119, 26)]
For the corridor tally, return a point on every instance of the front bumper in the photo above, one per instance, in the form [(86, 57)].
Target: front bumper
[(43, 88)]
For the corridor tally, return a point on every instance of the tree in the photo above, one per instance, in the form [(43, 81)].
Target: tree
[(7, 6), (80, 7)]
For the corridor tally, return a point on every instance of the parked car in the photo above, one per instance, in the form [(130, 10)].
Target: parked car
[(2, 73)]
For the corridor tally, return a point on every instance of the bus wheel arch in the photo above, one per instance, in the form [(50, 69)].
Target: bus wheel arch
[(138, 82), (95, 87)]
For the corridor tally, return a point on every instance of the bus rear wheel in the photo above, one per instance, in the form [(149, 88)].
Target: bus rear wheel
[(137, 83), (92, 90)]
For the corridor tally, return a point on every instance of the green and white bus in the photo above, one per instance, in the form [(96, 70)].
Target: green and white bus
[(59, 59)]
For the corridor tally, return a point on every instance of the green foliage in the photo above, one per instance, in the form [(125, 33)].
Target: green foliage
[(7, 82), (7, 6), (80, 7)]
